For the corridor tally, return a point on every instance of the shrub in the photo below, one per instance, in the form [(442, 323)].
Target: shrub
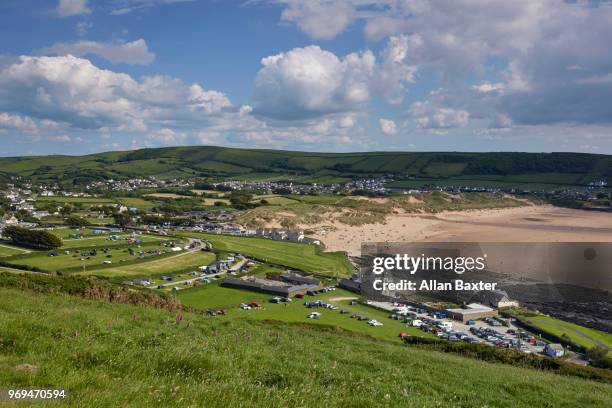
[(89, 288), (512, 357), (32, 238), (76, 221)]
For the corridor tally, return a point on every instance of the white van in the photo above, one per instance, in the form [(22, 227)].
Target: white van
[(446, 325)]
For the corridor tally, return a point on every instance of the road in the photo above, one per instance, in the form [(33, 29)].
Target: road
[(233, 268), (16, 248)]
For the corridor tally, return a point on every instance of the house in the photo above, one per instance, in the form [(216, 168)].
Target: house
[(10, 220), (495, 298), (40, 214), (554, 350), (473, 311)]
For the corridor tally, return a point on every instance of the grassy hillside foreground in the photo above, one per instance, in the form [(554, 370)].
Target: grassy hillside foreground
[(109, 354)]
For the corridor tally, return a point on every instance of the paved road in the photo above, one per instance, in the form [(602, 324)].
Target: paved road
[(234, 267)]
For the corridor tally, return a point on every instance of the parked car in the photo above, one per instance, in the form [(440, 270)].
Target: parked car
[(314, 315), (375, 323)]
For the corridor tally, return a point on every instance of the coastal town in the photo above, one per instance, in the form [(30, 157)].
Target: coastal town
[(150, 221)]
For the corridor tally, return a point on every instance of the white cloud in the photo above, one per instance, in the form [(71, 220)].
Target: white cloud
[(82, 27), (487, 87), (320, 19), (122, 7), (168, 137), (68, 8), (538, 62), (347, 121), (395, 73), (245, 109), (133, 53), (429, 116), (387, 126), (59, 138), (24, 123), (209, 101), (67, 95), (306, 82), (74, 91)]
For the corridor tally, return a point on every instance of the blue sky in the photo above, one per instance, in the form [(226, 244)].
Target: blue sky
[(80, 76)]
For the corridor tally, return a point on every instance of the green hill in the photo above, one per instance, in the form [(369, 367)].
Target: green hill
[(537, 170), (109, 354)]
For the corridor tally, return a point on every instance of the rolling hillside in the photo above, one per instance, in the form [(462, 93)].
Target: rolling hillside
[(410, 169), (110, 354)]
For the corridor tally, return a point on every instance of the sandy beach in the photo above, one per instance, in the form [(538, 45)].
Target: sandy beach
[(524, 224)]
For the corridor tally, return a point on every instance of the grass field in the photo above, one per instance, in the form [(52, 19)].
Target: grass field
[(9, 250), (102, 241), (163, 266), (72, 200), (212, 201), (65, 232), (217, 297), (63, 261), (580, 335), (109, 354), (136, 202), (309, 258), (167, 195), (275, 200), (94, 220)]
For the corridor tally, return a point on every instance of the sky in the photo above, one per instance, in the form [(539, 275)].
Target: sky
[(79, 76)]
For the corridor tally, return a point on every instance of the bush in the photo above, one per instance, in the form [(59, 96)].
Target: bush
[(512, 357), (76, 221), (89, 288), (32, 238), (600, 357)]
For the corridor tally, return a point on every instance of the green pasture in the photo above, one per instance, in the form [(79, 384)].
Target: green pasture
[(305, 257), (163, 266)]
